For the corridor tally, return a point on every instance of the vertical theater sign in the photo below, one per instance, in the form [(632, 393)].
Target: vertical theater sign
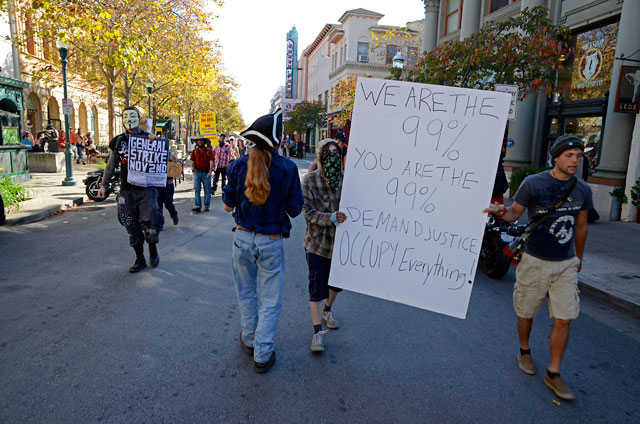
[(291, 81)]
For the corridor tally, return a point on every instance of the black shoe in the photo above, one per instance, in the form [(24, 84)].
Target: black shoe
[(196, 209), (175, 220), (206, 208), (262, 367), (247, 349), (139, 265), (154, 259)]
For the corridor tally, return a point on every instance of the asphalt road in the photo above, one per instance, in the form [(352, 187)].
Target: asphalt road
[(82, 340)]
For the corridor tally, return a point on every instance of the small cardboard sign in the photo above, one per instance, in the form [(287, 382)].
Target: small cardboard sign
[(174, 170)]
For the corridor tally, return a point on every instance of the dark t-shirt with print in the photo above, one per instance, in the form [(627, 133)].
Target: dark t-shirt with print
[(553, 239), (119, 145)]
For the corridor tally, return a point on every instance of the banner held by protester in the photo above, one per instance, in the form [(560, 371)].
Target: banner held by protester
[(147, 161), (421, 166)]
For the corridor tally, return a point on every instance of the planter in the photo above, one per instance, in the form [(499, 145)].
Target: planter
[(638, 214), (616, 210)]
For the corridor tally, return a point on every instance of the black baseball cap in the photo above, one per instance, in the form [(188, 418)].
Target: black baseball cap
[(565, 142)]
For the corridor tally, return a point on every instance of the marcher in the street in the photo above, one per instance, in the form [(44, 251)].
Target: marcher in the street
[(321, 189), (242, 150), (341, 138), (552, 258), (201, 167), (222, 154), (264, 190), (137, 205), (165, 197)]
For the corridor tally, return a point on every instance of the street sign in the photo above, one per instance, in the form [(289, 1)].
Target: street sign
[(67, 107), (513, 90)]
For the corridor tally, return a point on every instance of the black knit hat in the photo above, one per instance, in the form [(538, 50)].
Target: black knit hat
[(565, 142), (266, 131)]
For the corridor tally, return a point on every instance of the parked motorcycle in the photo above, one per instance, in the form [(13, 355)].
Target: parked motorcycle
[(93, 181), (497, 235)]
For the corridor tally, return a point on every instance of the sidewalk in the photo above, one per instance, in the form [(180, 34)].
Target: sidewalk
[(50, 196), (610, 273)]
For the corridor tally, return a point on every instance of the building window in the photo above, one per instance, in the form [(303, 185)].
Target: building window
[(452, 16), (31, 44), (391, 52), (341, 54), (499, 4), (344, 54), (326, 97), (363, 52)]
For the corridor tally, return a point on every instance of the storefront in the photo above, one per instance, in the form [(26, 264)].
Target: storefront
[(579, 102)]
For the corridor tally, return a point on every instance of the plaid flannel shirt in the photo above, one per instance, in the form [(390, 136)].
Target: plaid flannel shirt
[(222, 155), (319, 203)]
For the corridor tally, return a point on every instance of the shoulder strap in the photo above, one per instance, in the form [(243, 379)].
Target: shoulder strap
[(572, 183)]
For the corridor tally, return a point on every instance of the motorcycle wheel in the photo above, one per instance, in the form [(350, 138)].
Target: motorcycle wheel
[(492, 258), (92, 188)]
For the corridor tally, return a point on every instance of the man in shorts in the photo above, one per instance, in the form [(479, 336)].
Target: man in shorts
[(552, 255)]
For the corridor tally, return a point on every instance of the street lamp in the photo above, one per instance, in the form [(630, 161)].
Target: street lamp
[(149, 86), (63, 49), (398, 63)]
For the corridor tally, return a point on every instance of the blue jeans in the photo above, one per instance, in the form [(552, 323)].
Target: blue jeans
[(200, 179), (258, 271)]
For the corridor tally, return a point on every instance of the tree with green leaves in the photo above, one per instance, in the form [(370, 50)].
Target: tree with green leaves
[(304, 116)]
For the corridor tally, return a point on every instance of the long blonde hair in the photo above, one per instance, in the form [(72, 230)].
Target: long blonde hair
[(257, 180)]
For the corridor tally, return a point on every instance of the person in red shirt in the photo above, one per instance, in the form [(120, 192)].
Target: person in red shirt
[(202, 166), (62, 140)]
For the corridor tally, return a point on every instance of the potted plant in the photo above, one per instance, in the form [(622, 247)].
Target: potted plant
[(635, 198), (618, 198)]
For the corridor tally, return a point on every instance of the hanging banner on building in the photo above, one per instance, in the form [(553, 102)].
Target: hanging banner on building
[(421, 167), (287, 107), (147, 161), (208, 126), (628, 94)]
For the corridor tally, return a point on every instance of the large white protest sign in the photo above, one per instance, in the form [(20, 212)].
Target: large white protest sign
[(421, 166), (147, 161)]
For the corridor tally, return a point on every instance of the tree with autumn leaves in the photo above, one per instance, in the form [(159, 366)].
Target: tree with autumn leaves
[(525, 50), (120, 45)]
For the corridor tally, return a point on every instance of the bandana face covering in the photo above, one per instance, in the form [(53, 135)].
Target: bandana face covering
[(332, 169)]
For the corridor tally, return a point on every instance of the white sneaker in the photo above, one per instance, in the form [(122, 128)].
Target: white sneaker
[(329, 321), (317, 344)]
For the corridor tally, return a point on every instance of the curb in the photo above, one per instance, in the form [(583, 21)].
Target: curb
[(43, 214), (617, 303)]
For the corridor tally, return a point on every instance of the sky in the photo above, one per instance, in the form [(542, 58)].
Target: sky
[(253, 38)]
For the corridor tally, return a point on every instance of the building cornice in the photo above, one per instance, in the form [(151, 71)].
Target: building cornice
[(13, 82), (359, 67), (431, 6)]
